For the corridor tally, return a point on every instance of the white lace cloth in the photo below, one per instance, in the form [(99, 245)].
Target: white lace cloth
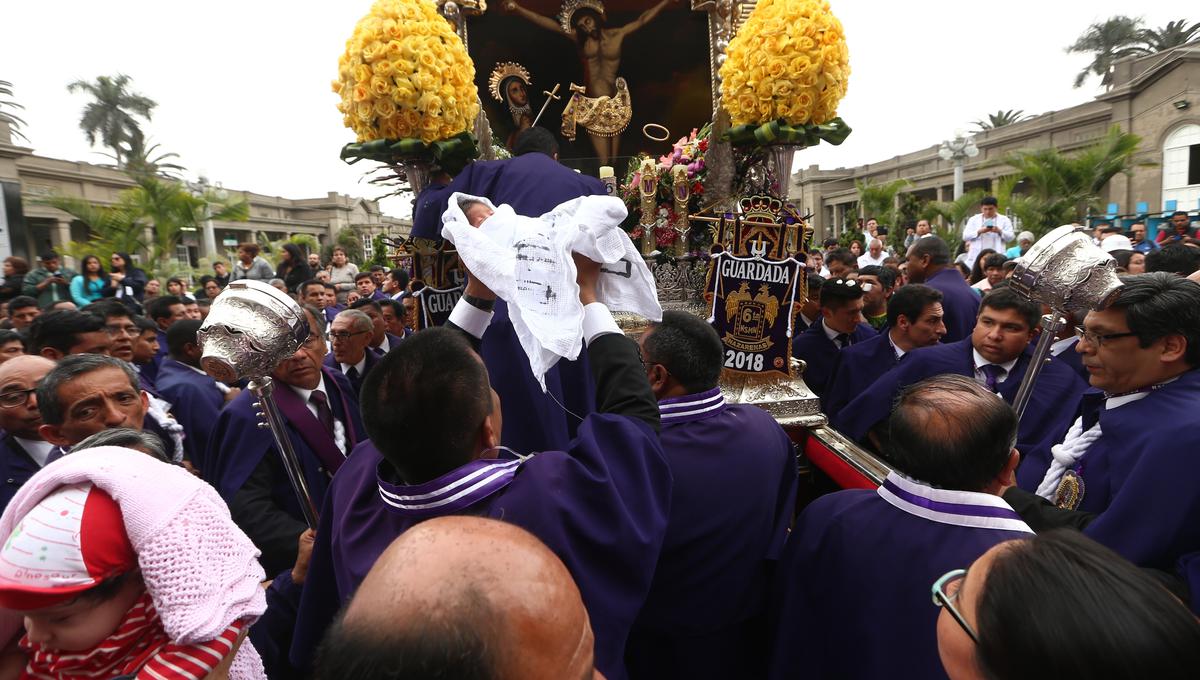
[(1066, 455), (527, 262)]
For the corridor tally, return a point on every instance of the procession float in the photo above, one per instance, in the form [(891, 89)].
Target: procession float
[(691, 113)]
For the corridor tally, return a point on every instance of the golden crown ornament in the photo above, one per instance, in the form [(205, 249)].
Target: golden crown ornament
[(503, 71), (566, 16)]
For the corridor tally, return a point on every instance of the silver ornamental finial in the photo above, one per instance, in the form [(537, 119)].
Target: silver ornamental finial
[(251, 328)]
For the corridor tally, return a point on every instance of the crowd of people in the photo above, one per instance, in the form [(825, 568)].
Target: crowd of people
[(621, 520)]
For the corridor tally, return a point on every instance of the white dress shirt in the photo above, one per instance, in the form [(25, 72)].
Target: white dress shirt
[(979, 242), (980, 362), (39, 450)]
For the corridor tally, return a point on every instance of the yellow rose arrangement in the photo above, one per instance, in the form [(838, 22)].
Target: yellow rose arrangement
[(405, 74), (788, 62)]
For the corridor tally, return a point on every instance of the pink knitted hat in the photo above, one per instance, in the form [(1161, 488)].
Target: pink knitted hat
[(72, 540)]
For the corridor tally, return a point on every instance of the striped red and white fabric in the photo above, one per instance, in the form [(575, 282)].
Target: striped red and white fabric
[(138, 648)]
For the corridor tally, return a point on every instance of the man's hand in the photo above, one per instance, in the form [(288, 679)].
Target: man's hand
[(300, 570), (589, 274), (476, 288), (232, 393)]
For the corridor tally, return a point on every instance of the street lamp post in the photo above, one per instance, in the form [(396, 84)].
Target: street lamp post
[(958, 150)]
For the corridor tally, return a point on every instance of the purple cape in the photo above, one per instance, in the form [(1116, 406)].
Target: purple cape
[(960, 303), (852, 595), (732, 502), (856, 368), (814, 347), (1052, 407), (601, 506), (195, 402)]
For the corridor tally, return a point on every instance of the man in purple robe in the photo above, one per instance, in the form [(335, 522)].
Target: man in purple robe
[(930, 263), (382, 341), (914, 319), (852, 593), (533, 182), (196, 398), (996, 355), (600, 504), (841, 326), (1126, 471), (349, 334), (320, 411), (164, 311), (732, 501)]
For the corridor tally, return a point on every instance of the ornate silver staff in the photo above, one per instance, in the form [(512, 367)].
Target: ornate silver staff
[(1065, 271), (252, 328)]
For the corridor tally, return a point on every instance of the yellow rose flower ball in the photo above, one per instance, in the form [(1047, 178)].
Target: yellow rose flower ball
[(790, 61), (405, 73)]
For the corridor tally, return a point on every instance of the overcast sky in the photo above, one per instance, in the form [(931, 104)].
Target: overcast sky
[(244, 87)]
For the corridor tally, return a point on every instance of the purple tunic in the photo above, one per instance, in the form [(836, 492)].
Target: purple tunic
[(732, 501), (960, 303), (856, 368), (601, 505), (1052, 407), (852, 596), (195, 402), (820, 353)]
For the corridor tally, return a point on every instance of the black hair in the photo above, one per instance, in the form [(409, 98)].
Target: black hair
[(1122, 257), (363, 275), (1181, 212), (106, 309), (366, 302), (841, 256), (144, 324), (815, 282), (977, 268), (376, 268), (1157, 305), (106, 589), (48, 255), (994, 260), (424, 402), (835, 293), (311, 282), (8, 335), (59, 329), (329, 285), (1060, 605), (1175, 258), (68, 369), (160, 307), (886, 275), (688, 347), (1003, 297), (21, 302), (989, 200), (934, 247), (463, 644), (950, 432), (536, 139), (395, 305), (182, 333), (400, 276), (911, 301), (175, 279)]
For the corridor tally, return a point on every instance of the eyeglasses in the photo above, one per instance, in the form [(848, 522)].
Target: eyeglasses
[(945, 594), (1098, 340), (15, 398), (130, 330), (345, 335)]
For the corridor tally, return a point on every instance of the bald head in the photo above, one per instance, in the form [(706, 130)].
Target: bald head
[(466, 597)]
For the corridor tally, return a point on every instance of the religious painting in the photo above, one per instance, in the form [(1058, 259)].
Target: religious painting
[(618, 65)]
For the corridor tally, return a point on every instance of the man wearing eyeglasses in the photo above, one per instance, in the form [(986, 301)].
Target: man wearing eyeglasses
[(23, 450), (1126, 471), (996, 355), (320, 412), (841, 326), (852, 590), (350, 334)]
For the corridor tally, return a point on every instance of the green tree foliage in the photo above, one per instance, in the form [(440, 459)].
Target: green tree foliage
[(879, 201), (955, 213), (379, 252), (349, 239), (7, 106), (112, 116), (1000, 119), (1060, 188), (1119, 37)]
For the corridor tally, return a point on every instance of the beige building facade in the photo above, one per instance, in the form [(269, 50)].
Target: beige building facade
[(27, 228), (1156, 97)]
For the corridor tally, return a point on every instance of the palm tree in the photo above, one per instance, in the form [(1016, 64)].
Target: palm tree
[(1174, 34), (1001, 118), (1062, 188), (113, 115), (1116, 38), (14, 122), (879, 201), (955, 212)]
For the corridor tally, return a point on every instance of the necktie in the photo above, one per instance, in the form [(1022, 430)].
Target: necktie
[(377, 351), (843, 340), (991, 373), (352, 374), (321, 401)]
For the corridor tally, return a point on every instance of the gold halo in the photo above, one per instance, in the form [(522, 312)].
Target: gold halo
[(666, 134), (503, 71)]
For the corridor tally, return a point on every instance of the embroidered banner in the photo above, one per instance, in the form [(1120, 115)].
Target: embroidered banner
[(754, 310), (435, 304)]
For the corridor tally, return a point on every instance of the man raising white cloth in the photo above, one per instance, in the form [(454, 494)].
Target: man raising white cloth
[(988, 229)]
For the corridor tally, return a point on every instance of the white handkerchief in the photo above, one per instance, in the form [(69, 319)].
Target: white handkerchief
[(527, 262)]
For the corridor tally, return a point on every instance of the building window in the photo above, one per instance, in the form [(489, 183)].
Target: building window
[(1181, 167), (368, 242)]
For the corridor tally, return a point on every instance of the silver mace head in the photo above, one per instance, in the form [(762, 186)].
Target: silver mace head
[(251, 328), (1066, 271)]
